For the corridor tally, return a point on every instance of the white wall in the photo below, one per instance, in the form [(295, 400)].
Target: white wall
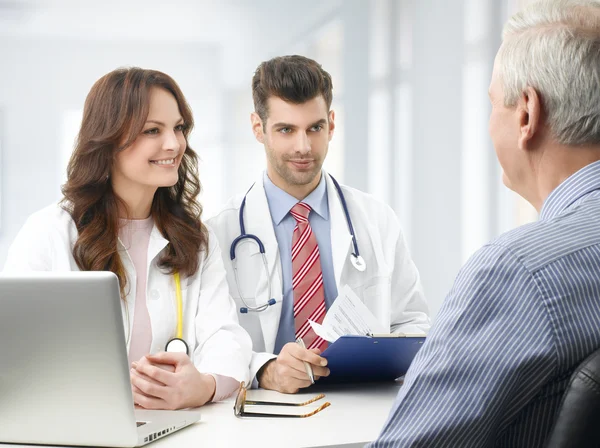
[(410, 88), (437, 81)]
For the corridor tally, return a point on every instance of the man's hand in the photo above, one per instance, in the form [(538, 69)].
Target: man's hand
[(170, 381), (287, 373)]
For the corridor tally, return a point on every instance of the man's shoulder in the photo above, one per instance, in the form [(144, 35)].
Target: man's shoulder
[(225, 222), (229, 209), (540, 243), (365, 200), (371, 214)]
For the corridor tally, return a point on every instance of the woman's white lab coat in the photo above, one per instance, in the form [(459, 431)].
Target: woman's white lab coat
[(218, 344)]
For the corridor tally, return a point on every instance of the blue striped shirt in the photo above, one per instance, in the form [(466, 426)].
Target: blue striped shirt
[(523, 312)]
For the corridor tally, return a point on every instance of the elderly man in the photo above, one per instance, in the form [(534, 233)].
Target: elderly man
[(525, 309)]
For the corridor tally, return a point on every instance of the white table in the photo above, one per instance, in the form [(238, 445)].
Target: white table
[(355, 417)]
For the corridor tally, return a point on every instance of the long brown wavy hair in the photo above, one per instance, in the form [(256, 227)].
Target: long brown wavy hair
[(114, 114)]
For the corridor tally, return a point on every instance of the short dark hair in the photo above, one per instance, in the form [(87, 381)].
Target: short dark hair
[(295, 79)]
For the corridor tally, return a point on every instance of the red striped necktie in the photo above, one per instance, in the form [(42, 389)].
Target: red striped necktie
[(307, 279)]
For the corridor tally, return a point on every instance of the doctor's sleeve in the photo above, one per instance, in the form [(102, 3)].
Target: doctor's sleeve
[(224, 347), (31, 249), (409, 310)]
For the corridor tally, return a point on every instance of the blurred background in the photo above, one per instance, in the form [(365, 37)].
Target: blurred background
[(410, 93)]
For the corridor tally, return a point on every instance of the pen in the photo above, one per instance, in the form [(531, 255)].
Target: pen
[(309, 371)]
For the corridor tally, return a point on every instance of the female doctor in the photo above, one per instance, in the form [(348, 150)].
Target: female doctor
[(130, 207)]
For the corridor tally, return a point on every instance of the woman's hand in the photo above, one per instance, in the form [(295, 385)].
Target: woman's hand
[(170, 381)]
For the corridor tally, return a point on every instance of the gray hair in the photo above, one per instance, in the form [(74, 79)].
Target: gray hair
[(553, 46)]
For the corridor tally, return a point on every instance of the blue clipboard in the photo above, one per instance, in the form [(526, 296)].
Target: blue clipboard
[(370, 358)]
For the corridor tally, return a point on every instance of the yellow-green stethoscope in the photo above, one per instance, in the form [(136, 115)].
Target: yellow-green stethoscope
[(178, 344)]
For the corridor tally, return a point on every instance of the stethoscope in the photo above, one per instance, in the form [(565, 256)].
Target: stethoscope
[(178, 344), (357, 261)]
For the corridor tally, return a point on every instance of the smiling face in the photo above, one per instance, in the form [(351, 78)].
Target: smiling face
[(153, 159), (296, 139)]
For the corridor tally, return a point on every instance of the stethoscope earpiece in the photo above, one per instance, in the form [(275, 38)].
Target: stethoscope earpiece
[(246, 309)]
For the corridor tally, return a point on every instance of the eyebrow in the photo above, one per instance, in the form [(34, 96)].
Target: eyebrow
[(160, 123), (293, 126)]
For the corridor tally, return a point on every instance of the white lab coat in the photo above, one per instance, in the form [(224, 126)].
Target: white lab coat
[(390, 286), (218, 344)]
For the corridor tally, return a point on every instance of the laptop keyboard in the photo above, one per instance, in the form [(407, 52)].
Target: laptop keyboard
[(138, 424)]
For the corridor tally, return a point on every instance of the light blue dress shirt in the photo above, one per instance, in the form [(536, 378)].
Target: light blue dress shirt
[(523, 313), (280, 204)]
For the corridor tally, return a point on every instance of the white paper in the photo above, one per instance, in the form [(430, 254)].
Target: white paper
[(326, 333), (347, 316)]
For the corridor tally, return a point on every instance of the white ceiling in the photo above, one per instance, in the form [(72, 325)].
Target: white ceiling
[(245, 32), (223, 21)]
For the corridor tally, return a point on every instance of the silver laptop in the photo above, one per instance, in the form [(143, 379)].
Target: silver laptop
[(64, 372)]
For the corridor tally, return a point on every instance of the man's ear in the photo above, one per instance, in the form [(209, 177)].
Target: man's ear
[(257, 127), (529, 109), (331, 123)]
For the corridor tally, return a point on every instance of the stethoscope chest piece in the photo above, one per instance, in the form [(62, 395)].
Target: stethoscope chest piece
[(177, 345), (358, 262)]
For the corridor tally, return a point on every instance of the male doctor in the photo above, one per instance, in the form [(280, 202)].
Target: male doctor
[(298, 214)]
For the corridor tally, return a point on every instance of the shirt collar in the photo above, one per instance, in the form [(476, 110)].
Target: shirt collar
[(281, 202), (584, 181)]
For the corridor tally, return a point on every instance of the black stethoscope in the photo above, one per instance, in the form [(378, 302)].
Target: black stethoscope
[(357, 261)]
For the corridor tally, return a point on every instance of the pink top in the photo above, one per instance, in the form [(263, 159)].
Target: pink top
[(135, 236)]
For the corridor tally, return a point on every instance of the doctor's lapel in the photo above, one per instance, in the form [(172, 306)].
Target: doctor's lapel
[(155, 245), (340, 234), (128, 304), (257, 216)]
